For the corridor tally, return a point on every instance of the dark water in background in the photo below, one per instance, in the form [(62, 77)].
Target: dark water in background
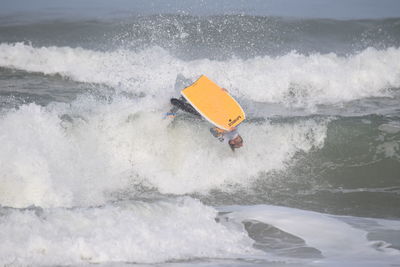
[(214, 37), (87, 158)]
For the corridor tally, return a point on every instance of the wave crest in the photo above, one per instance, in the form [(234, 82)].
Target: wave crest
[(293, 79)]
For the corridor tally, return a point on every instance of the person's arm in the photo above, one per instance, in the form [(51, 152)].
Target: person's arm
[(218, 133)]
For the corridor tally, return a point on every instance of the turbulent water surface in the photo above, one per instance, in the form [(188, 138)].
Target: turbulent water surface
[(91, 172)]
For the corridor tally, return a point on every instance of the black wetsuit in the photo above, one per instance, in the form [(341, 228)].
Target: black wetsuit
[(182, 104)]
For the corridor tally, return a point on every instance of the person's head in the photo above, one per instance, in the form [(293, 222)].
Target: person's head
[(236, 142)]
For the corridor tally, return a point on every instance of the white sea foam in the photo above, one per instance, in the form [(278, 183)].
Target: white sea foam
[(181, 229), (47, 160), (43, 164), (342, 240), (293, 79), (140, 232)]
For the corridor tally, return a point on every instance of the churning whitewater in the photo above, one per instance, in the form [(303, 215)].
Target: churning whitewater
[(92, 172)]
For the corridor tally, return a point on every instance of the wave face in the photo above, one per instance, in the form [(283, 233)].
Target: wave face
[(91, 172)]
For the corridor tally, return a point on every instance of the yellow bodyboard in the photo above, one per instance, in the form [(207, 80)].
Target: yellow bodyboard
[(214, 103)]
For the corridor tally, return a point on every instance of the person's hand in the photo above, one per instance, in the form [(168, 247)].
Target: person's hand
[(223, 89), (216, 132)]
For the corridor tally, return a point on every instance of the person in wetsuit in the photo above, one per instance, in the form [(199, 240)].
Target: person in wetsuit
[(232, 138)]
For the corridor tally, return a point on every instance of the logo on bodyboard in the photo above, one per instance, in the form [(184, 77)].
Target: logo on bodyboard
[(231, 122)]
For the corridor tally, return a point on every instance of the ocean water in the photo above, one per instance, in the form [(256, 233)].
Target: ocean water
[(91, 172)]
